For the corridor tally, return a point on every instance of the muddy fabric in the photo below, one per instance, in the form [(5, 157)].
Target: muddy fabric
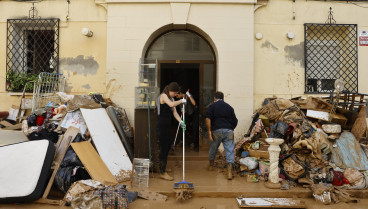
[(338, 179), (87, 202), (312, 143), (270, 110), (327, 193), (292, 168), (82, 101), (278, 130), (82, 187), (283, 104), (348, 153), (292, 117), (354, 176), (340, 195), (257, 128), (322, 193)]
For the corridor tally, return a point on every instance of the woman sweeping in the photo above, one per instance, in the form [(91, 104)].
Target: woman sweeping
[(166, 111)]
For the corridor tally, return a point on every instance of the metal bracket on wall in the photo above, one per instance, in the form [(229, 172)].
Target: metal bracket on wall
[(330, 19), (33, 12)]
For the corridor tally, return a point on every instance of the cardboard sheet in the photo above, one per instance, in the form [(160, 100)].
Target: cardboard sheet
[(107, 142), (93, 163)]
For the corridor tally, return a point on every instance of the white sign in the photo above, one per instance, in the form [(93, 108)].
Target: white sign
[(363, 38)]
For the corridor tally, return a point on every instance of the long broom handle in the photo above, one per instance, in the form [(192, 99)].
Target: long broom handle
[(177, 130), (184, 142)]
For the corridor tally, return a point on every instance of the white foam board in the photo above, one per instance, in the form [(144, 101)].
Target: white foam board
[(108, 143)]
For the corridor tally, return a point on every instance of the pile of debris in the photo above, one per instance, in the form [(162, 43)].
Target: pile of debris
[(324, 150), (88, 153)]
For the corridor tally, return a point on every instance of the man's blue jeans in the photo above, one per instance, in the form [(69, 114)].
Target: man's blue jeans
[(226, 136)]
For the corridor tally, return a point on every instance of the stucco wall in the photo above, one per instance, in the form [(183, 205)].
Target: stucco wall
[(82, 59), (228, 26), (279, 62)]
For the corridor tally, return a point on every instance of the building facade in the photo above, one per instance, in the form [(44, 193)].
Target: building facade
[(247, 49)]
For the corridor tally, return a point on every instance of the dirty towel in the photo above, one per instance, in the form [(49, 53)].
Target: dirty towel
[(82, 187), (87, 202), (348, 153)]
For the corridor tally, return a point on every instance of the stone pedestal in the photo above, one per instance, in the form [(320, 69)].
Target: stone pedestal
[(274, 150)]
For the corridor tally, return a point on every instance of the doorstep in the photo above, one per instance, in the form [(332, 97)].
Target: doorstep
[(214, 184)]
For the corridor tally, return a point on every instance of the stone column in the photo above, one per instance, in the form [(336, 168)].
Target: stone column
[(274, 151)]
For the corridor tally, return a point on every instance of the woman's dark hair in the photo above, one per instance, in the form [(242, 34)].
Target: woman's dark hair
[(182, 90), (219, 95), (173, 86)]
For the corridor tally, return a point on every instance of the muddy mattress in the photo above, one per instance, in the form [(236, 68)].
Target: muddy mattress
[(25, 170)]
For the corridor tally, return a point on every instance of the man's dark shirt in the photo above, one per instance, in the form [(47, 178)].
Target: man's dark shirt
[(221, 115)]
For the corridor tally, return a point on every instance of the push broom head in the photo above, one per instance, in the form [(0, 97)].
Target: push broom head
[(183, 190), (183, 185)]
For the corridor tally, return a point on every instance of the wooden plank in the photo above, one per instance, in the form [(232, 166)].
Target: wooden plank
[(50, 202), (352, 102), (270, 203), (69, 135), (108, 143), (93, 163)]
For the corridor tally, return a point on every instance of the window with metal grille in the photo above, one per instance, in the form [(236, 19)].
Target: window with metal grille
[(331, 52), (32, 48)]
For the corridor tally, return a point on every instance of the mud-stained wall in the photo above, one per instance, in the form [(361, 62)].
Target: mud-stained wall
[(82, 59), (228, 26), (279, 61)]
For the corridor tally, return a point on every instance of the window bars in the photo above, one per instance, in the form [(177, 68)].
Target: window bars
[(331, 52), (32, 48), (45, 89)]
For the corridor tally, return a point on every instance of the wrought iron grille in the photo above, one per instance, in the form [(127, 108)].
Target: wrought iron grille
[(32, 48), (331, 52)]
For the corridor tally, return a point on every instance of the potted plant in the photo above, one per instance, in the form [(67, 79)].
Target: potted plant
[(16, 81)]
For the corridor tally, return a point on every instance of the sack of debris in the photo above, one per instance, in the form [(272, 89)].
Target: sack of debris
[(356, 179), (250, 162)]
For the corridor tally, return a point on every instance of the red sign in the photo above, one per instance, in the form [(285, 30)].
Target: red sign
[(363, 38)]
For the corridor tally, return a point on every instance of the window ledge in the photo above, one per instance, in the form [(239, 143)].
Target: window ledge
[(19, 94)]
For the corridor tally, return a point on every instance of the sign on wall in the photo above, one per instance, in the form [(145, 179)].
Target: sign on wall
[(363, 38)]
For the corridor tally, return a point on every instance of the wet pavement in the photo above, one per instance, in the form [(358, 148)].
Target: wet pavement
[(212, 189), (198, 203), (214, 183)]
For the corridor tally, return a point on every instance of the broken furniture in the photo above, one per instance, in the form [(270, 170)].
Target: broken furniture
[(25, 170), (61, 148)]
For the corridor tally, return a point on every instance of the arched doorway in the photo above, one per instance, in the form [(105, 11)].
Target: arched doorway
[(185, 57)]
